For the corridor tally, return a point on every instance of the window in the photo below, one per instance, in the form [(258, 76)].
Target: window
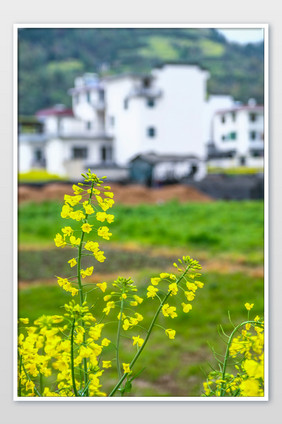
[(223, 138), (253, 135), (233, 135), (253, 117), (88, 125), (106, 154), (150, 102), (151, 132), (101, 95), (38, 156), (112, 121), (88, 96), (233, 115), (79, 153), (125, 103), (146, 82), (222, 119)]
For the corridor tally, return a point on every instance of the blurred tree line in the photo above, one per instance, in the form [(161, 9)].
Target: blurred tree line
[(50, 58)]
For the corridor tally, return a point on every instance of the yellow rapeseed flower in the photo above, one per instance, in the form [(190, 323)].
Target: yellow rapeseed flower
[(86, 228), (170, 333), (126, 368)]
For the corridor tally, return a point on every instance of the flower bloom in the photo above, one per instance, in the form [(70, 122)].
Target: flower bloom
[(189, 295), (170, 333), (104, 233), (155, 281), (102, 286), (75, 241), (59, 240), (186, 307), (137, 340), (173, 289), (169, 311), (106, 364), (72, 262), (126, 368), (152, 291), (86, 228), (249, 306), (72, 200), (86, 272), (110, 305), (88, 208)]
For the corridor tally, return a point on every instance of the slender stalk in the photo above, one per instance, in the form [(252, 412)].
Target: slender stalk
[(147, 336), (72, 359), (80, 286), (118, 338)]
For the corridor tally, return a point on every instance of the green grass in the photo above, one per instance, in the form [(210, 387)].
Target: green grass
[(175, 367), (230, 227)]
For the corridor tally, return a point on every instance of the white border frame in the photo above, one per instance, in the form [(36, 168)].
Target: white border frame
[(265, 28)]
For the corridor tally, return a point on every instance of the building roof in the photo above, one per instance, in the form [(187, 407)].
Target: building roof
[(57, 110), (248, 108), (154, 158)]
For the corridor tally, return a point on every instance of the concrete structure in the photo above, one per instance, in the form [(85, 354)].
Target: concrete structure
[(237, 137), (114, 119)]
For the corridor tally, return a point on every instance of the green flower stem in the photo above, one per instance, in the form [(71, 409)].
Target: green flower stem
[(118, 338), (147, 336), (72, 359), (222, 388), (81, 290)]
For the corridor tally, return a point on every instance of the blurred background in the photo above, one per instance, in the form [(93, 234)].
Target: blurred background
[(175, 118)]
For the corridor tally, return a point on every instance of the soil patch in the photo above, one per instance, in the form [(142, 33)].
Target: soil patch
[(132, 194)]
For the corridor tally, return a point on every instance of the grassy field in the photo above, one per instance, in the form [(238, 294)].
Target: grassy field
[(234, 228), (147, 239)]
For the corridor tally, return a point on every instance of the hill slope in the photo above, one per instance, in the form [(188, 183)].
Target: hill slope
[(50, 59)]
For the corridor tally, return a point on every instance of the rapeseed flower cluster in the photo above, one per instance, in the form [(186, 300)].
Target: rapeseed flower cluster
[(246, 350), (63, 355)]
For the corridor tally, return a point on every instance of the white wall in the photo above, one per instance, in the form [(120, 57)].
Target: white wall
[(242, 126), (25, 157)]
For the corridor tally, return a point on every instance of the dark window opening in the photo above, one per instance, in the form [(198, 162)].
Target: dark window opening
[(101, 95), (223, 119), (88, 96), (147, 82), (79, 153), (233, 136), (150, 102), (106, 154), (38, 155), (242, 161), (151, 132), (253, 135), (253, 117), (89, 125), (125, 104), (233, 114)]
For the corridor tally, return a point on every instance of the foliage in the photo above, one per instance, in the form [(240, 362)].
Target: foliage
[(52, 58), (38, 175), (247, 354)]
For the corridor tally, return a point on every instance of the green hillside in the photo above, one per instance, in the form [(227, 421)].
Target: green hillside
[(50, 59)]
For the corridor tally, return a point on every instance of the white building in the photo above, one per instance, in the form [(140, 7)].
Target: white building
[(237, 137), (114, 119)]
